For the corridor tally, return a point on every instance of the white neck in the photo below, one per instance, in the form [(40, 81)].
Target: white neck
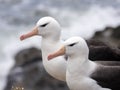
[(49, 46), (56, 67), (50, 43), (81, 66)]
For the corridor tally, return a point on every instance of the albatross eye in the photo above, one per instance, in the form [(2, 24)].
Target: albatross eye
[(43, 25), (72, 44)]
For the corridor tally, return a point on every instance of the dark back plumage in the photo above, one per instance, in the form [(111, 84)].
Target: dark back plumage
[(107, 76)]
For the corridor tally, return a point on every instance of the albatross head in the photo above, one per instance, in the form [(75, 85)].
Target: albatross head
[(73, 47), (46, 27)]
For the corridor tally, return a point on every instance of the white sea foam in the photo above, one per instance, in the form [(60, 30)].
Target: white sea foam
[(95, 19)]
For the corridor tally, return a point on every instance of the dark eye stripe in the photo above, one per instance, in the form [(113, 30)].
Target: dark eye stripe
[(72, 44), (44, 25)]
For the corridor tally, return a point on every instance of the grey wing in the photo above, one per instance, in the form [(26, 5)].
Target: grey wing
[(107, 76), (108, 63)]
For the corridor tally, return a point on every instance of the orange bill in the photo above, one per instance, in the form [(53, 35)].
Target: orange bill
[(60, 52)]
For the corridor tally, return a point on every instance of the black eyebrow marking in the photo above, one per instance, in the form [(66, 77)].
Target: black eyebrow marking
[(43, 25), (72, 44)]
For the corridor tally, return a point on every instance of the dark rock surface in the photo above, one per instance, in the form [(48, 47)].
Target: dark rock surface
[(110, 35), (27, 56), (101, 51), (105, 44), (29, 73)]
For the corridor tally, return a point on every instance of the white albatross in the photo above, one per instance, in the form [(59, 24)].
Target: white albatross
[(83, 74), (50, 30)]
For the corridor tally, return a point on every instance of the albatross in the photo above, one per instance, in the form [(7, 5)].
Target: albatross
[(50, 30), (84, 74)]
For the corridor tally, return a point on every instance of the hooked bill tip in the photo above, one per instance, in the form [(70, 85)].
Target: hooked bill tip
[(22, 37), (49, 57)]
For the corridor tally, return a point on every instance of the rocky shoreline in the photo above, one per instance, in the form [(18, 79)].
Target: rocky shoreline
[(29, 72)]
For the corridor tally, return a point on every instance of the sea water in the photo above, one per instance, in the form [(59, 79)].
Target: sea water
[(77, 17)]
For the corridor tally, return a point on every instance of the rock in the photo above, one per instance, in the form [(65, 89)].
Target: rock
[(109, 49), (27, 56), (116, 33), (102, 51), (110, 35), (29, 73)]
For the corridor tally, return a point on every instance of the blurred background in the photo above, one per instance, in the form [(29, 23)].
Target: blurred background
[(86, 18)]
